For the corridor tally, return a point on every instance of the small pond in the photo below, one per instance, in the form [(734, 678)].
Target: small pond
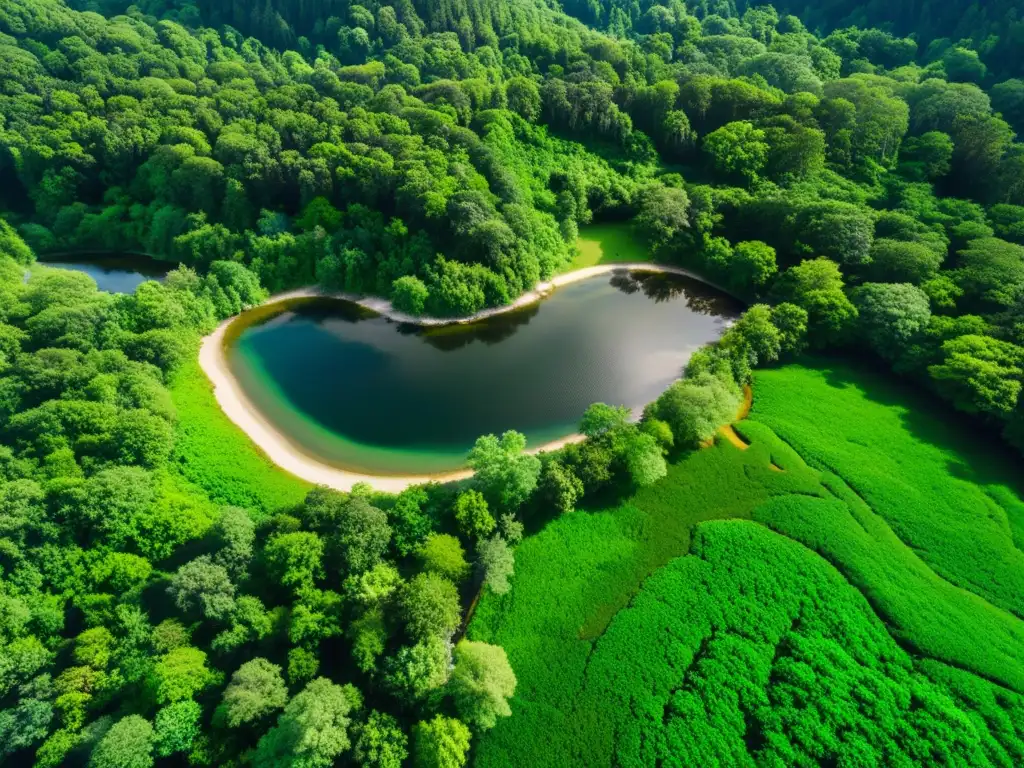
[(115, 273), (357, 391)]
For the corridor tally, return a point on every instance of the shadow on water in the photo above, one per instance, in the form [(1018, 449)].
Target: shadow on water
[(492, 330), (661, 287)]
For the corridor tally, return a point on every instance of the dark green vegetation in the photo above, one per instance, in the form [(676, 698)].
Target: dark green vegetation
[(852, 629), (424, 396), (868, 190)]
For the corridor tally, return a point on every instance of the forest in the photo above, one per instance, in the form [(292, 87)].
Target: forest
[(851, 170)]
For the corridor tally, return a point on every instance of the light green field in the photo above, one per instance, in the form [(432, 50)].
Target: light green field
[(612, 243), (862, 600), (211, 452)]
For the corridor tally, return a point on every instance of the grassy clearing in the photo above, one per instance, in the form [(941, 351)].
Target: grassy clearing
[(592, 692), (211, 452), (610, 243), (946, 493)]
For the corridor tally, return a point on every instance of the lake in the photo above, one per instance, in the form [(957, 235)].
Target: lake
[(360, 392), (114, 273)]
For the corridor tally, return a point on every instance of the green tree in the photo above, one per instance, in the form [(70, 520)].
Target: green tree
[(128, 744), (481, 684), (442, 742), (503, 473), (203, 588), (752, 266), (738, 148), (696, 407), (410, 294), (473, 515), (256, 689), (559, 486), (381, 742), (295, 559), (497, 563), (178, 675), (816, 285), (891, 315), (313, 730), (443, 554), (430, 606), (177, 726)]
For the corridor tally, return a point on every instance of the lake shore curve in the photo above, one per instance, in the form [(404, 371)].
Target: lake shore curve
[(288, 456)]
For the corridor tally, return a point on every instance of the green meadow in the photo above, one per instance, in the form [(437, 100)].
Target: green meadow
[(214, 454), (864, 600), (609, 243)]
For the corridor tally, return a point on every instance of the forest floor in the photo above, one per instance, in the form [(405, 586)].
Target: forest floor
[(920, 524)]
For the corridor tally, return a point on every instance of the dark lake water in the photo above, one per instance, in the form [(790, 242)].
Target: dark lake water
[(115, 274), (357, 391)]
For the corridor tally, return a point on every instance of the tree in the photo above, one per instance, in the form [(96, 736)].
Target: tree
[(430, 606), (644, 459), (443, 554), (177, 726), (256, 689), (473, 515), (409, 294), (178, 675), (440, 743), (991, 273), (381, 742), (663, 214), (503, 473), (752, 265), (791, 322), (295, 559), (905, 262), (696, 407), (816, 285), (481, 684), (128, 744), (891, 314), (204, 588), (738, 148), (497, 562), (236, 534), (559, 486), (416, 672), (980, 374), (927, 157), (523, 98), (599, 419), (313, 730), (363, 535)]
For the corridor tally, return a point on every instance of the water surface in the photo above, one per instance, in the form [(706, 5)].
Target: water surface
[(121, 273), (357, 391)]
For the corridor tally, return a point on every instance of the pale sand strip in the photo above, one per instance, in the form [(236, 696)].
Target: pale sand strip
[(280, 450)]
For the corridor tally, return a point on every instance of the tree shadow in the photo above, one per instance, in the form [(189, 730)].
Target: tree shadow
[(490, 330), (977, 452)]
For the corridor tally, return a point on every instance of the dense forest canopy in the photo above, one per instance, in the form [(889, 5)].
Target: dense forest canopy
[(852, 171)]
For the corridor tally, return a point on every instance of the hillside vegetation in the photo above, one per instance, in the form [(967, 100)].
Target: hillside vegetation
[(837, 582), (746, 646)]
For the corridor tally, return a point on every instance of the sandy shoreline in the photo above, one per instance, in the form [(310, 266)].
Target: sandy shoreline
[(280, 450)]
